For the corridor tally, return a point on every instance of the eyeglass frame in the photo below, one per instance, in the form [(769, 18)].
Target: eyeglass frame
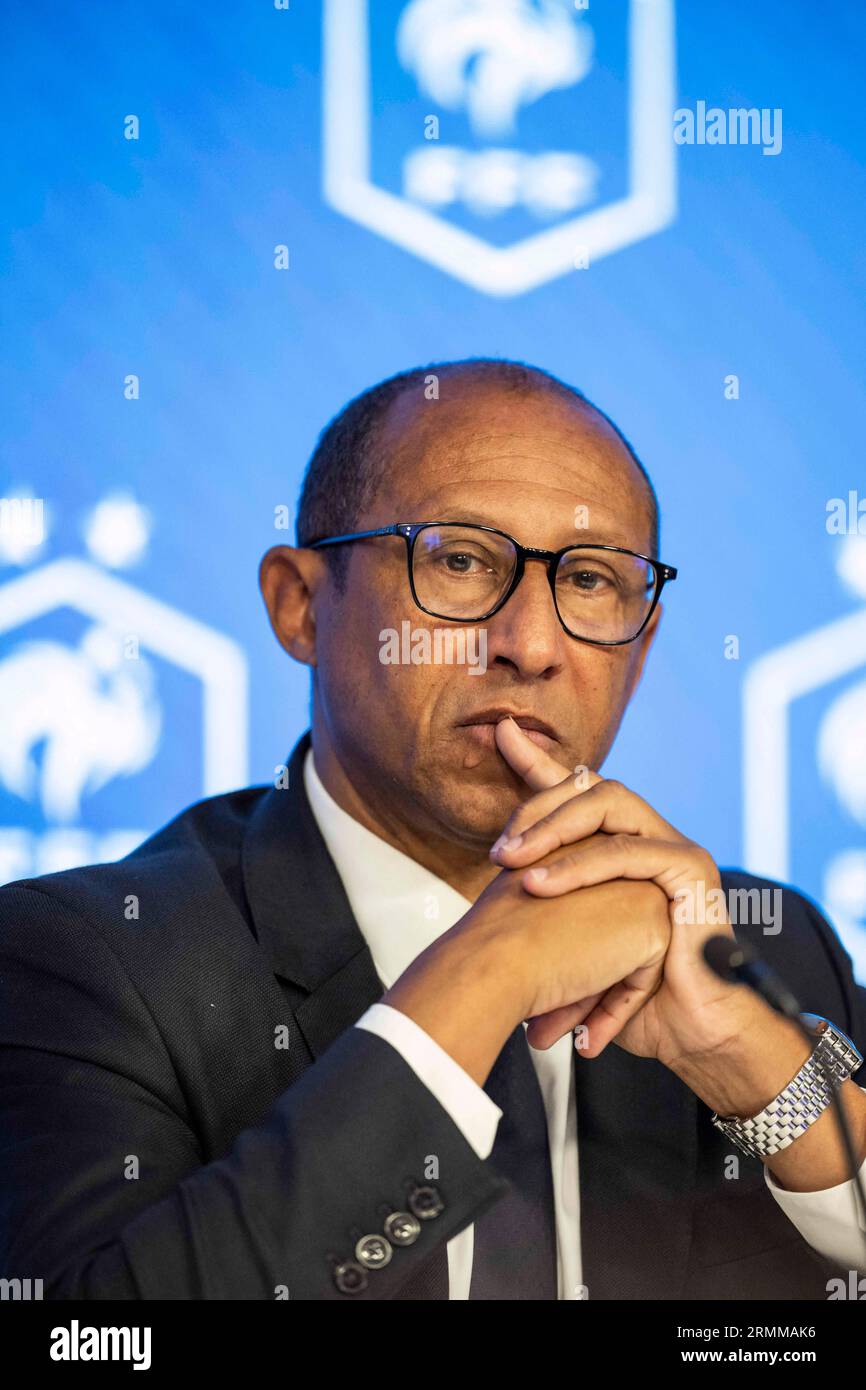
[(410, 532)]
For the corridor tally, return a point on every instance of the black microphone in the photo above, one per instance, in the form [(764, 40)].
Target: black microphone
[(738, 964)]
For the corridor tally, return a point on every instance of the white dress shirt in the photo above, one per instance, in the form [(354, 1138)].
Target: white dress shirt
[(401, 908)]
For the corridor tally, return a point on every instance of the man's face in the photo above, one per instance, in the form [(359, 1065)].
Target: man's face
[(412, 738)]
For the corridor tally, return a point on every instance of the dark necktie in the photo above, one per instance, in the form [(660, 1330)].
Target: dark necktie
[(515, 1241)]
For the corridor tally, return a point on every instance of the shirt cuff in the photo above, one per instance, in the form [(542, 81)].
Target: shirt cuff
[(832, 1221), (471, 1109)]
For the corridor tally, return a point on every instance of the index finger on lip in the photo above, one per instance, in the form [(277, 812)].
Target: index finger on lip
[(537, 768)]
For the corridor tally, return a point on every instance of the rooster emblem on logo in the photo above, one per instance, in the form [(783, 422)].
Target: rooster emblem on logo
[(493, 56), (89, 711)]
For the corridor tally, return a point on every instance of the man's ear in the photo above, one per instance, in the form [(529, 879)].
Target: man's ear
[(643, 644), (290, 580)]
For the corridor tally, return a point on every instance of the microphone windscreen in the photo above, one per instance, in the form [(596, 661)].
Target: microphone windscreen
[(724, 956)]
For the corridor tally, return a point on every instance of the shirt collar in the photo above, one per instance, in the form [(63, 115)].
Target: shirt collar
[(400, 907)]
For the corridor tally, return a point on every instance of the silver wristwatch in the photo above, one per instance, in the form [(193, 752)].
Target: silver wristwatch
[(805, 1098)]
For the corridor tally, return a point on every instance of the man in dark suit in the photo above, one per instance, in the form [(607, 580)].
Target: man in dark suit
[(429, 1017)]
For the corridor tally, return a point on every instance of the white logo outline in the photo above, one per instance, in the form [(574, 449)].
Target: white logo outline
[(771, 686), (648, 207), (215, 660)]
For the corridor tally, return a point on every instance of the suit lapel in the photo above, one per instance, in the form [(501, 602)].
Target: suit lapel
[(301, 914), (637, 1156), (304, 923)]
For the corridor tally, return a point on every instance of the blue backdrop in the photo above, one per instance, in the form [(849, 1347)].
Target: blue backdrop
[(222, 221)]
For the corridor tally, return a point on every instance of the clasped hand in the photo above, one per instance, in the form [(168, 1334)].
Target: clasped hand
[(607, 832)]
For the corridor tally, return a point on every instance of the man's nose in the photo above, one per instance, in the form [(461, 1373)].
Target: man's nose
[(526, 634)]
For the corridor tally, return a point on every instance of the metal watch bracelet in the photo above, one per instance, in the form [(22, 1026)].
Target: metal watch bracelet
[(803, 1100)]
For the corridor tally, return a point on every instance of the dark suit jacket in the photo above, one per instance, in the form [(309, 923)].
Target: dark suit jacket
[(141, 1007)]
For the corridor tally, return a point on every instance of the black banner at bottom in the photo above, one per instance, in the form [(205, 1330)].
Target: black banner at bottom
[(253, 1339)]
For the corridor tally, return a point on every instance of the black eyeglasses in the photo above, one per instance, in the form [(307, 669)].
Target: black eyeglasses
[(465, 573)]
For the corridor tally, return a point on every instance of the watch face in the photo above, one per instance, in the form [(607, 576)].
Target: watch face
[(815, 1023), (821, 1026)]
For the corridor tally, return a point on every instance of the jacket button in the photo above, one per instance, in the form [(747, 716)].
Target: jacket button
[(402, 1228), (350, 1277), (426, 1203), (373, 1252)]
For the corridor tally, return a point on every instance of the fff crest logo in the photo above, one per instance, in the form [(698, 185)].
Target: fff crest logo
[(506, 142), (804, 759), (106, 694)]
